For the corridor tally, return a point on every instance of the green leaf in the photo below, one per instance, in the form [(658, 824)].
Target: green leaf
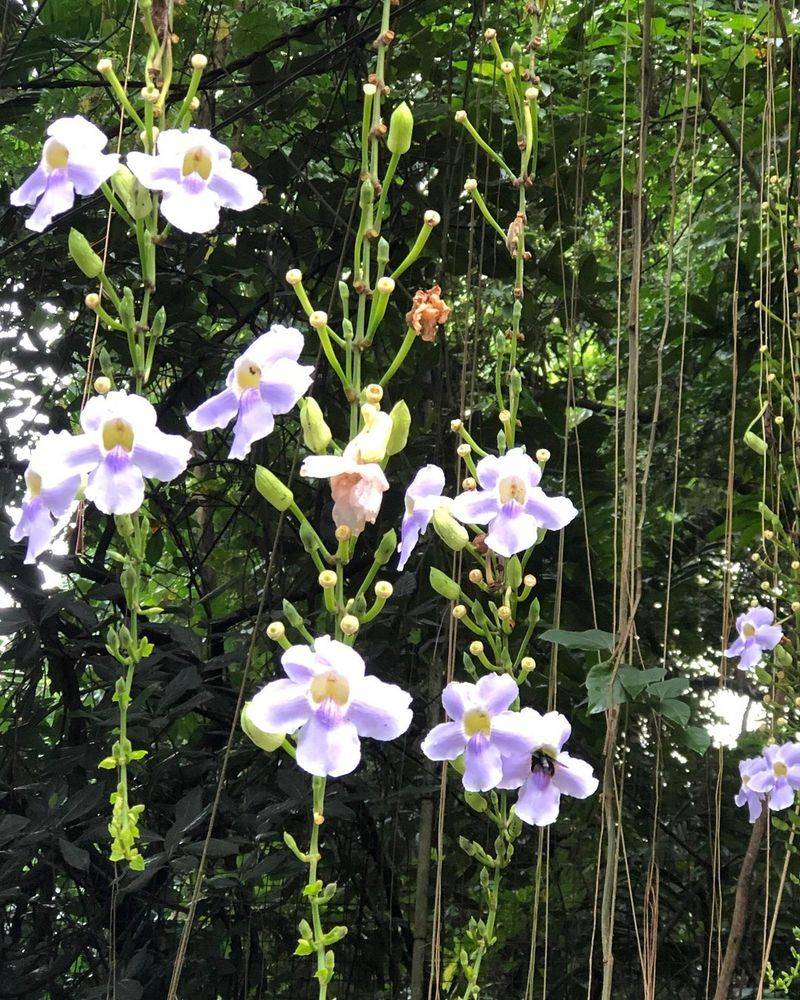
[(672, 688), (676, 711), (592, 640), (697, 739), (603, 692), (635, 681)]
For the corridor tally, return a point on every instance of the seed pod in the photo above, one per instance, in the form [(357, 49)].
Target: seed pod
[(272, 489), (83, 255)]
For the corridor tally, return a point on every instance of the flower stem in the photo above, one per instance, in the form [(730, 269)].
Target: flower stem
[(399, 358)]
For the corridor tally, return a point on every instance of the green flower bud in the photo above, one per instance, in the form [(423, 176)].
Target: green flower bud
[(755, 443), (266, 741), (158, 323), (476, 801), (367, 195), (783, 656), (513, 572), (83, 255), (454, 535), (387, 547), (308, 537), (443, 585), (401, 126), (401, 424), (272, 489), (316, 433), (130, 192), (127, 309), (293, 616)]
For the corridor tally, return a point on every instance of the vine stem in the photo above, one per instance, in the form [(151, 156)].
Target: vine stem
[(318, 817), (473, 989)]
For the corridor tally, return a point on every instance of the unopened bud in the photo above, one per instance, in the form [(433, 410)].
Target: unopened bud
[(385, 286), (318, 319), (542, 456), (134, 196), (194, 104), (431, 218), (92, 301), (294, 276), (504, 417), (476, 647), (529, 580), (461, 116), (349, 625), (769, 535), (102, 385), (459, 612), (272, 489), (401, 127), (470, 185), (454, 535), (266, 741), (463, 450), (528, 663), (104, 66), (490, 34), (373, 393), (343, 533), (795, 606), (383, 590), (506, 66), (369, 90), (504, 612), (276, 631), (456, 425), (795, 564), (778, 421), (401, 425), (199, 61), (83, 255), (316, 433), (149, 95), (468, 484), (475, 576), (531, 94), (327, 579)]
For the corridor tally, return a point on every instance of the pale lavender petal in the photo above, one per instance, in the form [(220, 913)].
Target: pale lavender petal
[(790, 754), (475, 506), (78, 134), (59, 197), (552, 730), (412, 527), (781, 796), (299, 664), (751, 654), (762, 781), (574, 777), (768, 636), (760, 616), (552, 513), (511, 735), (191, 209), (280, 707), (497, 692), (736, 648), (59, 497), (755, 806), (379, 710), (512, 531), (489, 471), (35, 524), (254, 422), (517, 462), (234, 188), (457, 697), (283, 383), (278, 342), (334, 655), (324, 749), (116, 485), (81, 454), (158, 173), (516, 770), (218, 411), (444, 742), (538, 801), (159, 455), (31, 188), (86, 177), (483, 767), (427, 484)]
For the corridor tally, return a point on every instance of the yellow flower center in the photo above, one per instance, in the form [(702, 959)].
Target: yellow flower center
[(56, 155), (117, 432), (34, 482), (330, 685), (549, 751), (748, 630), (512, 488), (476, 720), (197, 161), (780, 769), (248, 376)]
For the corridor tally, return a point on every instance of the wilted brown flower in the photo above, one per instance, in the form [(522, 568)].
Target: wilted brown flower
[(427, 312), (514, 233)]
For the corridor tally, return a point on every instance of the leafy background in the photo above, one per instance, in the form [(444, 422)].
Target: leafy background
[(283, 88)]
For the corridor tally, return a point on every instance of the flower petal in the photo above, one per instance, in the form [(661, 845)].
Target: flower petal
[(283, 383), (781, 796), (516, 770), (552, 730), (750, 655), (428, 483), (334, 655), (31, 188), (78, 134), (116, 486), (379, 710), (158, 173), (278, 342), (574, 777), (280, 707), (497, 692), (299, 664), (58, 498), (58, 197), (444, 742), (234, 188), (552, 513), (457, 697), (254, 422), (86, 176), (539, 800), (325, 466), (483, 767), (412, 527), (217, 411), (736, 648), (191, 211), (325, 749), (489, 471), (768, 636), (35, 524), (512, 531), (159, 455), (512, 736), (475, 506), (759, 616), (81, 453)]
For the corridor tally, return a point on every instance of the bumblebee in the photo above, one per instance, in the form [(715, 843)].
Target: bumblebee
[(544, 762)]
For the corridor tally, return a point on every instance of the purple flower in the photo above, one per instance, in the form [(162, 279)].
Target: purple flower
[(423, 496), (121, 445), (73, 162), (746, 795), (328, 698), (265, 380), (482, 729), (547, 773), (47, 497), (779, 778), (511, 503), (757, 634), (196, 176)]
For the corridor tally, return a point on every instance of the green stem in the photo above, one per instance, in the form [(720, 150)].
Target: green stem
[(484, 145), (399, 358)]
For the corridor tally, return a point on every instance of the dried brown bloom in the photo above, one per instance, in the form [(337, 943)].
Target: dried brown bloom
[(427, 312), (515, 233)]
